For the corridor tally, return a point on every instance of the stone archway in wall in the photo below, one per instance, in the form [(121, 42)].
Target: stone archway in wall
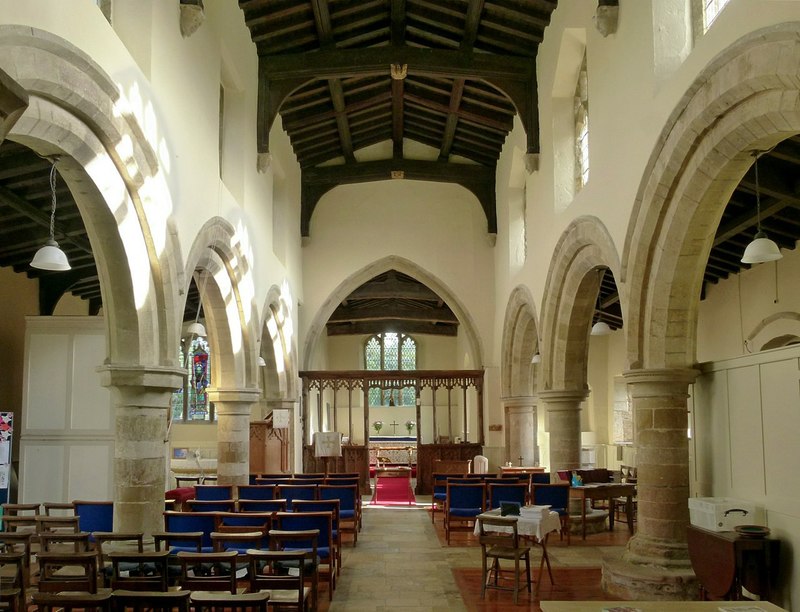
[(747, 98), (520, 343), (223, 276), (393, 262), (271, 447), (573, 282), (76, 111)]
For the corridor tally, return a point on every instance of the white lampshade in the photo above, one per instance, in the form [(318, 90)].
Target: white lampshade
[(196, 329), (261, 361), (50, 257), (761, 249), (600, 328), (537, 358)]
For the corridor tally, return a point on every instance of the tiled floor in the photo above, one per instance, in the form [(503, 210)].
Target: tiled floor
[(402, 563)]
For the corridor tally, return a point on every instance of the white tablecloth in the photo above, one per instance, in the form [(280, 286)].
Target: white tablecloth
[(526, 525)]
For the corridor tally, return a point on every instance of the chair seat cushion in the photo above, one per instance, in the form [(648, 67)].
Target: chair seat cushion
[(283, 596), (465, 512)]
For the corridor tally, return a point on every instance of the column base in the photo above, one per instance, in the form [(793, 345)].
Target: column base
[(650, 570)]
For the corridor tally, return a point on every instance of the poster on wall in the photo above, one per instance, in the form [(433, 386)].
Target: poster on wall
[(6, 432)]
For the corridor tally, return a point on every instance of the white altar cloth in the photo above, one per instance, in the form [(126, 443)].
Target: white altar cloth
[(526, 525)]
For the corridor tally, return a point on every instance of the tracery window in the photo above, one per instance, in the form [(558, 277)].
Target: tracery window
[(391, 351), (190, 403), (582, 128)]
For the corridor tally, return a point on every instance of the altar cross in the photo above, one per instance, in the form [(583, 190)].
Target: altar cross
[(394, 425)]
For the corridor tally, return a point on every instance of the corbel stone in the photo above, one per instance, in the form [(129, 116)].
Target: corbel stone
[(607, 17), (13, 102), (192, 16)]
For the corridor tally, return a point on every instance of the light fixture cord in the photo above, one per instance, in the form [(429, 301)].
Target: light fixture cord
[(758, 193), (53, 205)]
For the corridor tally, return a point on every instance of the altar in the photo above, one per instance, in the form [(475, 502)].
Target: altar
[(396, 450)]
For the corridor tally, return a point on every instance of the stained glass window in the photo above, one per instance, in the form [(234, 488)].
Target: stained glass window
[(391, 351), (190, 403)]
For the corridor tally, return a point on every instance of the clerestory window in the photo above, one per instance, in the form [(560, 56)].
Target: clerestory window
[(582, 128), (391, 351)]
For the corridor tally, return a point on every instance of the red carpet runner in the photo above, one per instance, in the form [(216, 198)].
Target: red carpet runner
[(393, 491)]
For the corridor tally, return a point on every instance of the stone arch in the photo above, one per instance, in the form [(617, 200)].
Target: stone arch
[(777, 330), (520, 343), (570, 293), (222, 274), (747, 98), (401, 264), (76, 110), (280, 373)]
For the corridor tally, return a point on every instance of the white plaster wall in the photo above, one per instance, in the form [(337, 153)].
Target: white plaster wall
[(66, 428), (746, 427)]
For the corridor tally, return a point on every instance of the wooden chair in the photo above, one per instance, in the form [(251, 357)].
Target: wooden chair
[(210, 505), (225, 602), (21, 509), (140, 571), (325, 505), (349, 506), (58, 509), (269, 572), (287, 541), (208, 571), (60, 542), (504, 545), (75, 571), (439, 493), (12, 581), (325, 548), (53, 602), (213, 492), (261, 505), (463, 503), (232, 522), (18, 542), (173, 543), (107, 541), (256, 492), (19, 523), (56, 524), (150, 601)]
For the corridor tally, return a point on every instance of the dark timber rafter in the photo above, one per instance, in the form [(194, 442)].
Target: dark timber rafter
[(470, 32), (322, 19), (280, 75), (398, 39)]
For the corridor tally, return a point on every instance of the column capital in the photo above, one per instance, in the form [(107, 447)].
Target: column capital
[(244, 396), (519, 401), (563, 399), (145, 376), (656, 381)]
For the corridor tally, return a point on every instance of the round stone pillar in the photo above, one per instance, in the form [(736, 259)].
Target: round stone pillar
[(564, 417), (656, 562), (141, 397), (233, 408), (520, 425)]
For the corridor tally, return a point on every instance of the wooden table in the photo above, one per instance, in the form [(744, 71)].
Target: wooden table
[(608, 491), (725, 561), (656, 606)]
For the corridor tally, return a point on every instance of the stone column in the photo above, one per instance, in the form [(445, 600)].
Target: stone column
[(564, 414), (520, 424), (233, 408), (656, 563), (141, 397)]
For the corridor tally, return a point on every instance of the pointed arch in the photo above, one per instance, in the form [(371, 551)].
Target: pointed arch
[(280, 372), (747, 98), (401, 264), (572, 285)]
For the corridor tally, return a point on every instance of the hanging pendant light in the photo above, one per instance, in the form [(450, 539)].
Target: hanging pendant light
[(50, 256), (761, 249), (600, 328), (196, 329), (537, 357)]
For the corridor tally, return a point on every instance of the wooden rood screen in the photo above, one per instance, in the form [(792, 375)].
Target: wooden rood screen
[(447, 411)]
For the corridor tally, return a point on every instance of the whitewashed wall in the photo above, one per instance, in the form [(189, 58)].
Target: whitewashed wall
[(745, 443), (67, 425)]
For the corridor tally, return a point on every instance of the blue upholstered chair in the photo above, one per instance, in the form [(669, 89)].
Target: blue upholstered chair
[(540, 478), (309, 522), (256, 492), (94, 516), (439, 493), (292, 492), (463, 503), (506, 492), (261, 505), (555, 495), (202, 522), (349, 506), (213, 492)]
